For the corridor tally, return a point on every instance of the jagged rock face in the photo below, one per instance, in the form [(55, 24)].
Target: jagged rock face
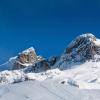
[(52, 60), (83, 48), (38, 67), (29, 57), (26, 58), (43, 65), (17, 65)]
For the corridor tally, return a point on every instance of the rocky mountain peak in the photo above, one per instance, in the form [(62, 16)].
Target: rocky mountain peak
[(84, 39), (27, 57), (83, 48)]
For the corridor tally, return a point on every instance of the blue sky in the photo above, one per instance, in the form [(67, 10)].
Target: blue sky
[(47, 25)]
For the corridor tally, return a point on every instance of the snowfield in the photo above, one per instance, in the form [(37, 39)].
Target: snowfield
[(84, 76), (45, 90)]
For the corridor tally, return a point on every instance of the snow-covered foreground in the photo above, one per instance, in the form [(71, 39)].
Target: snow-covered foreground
[(83, 76), (48, 90), (81, 82)]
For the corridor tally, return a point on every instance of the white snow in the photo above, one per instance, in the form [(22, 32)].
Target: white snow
[(85, 76), (97, 42), (29, 50), (9, 64), (48, 90), (89, 35), (7, 77), (16, 76)]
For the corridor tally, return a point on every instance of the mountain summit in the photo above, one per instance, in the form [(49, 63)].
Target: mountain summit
[(84, 48), (26, 58)]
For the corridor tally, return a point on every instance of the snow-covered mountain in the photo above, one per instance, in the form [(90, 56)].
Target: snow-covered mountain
[(79, 65), (26, 59), (84, 48)]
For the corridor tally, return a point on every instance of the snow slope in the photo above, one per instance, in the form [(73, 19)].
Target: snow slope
[(84, 76), (48, 90)]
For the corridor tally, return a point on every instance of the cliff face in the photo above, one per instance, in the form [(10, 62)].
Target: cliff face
[(26, 58), (82, 48), (29, 57)]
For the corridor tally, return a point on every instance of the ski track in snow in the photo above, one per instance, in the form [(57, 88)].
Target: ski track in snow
[(62, 98), (55, 87)]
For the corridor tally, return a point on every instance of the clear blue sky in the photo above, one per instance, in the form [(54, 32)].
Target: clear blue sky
[(47, 25)]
